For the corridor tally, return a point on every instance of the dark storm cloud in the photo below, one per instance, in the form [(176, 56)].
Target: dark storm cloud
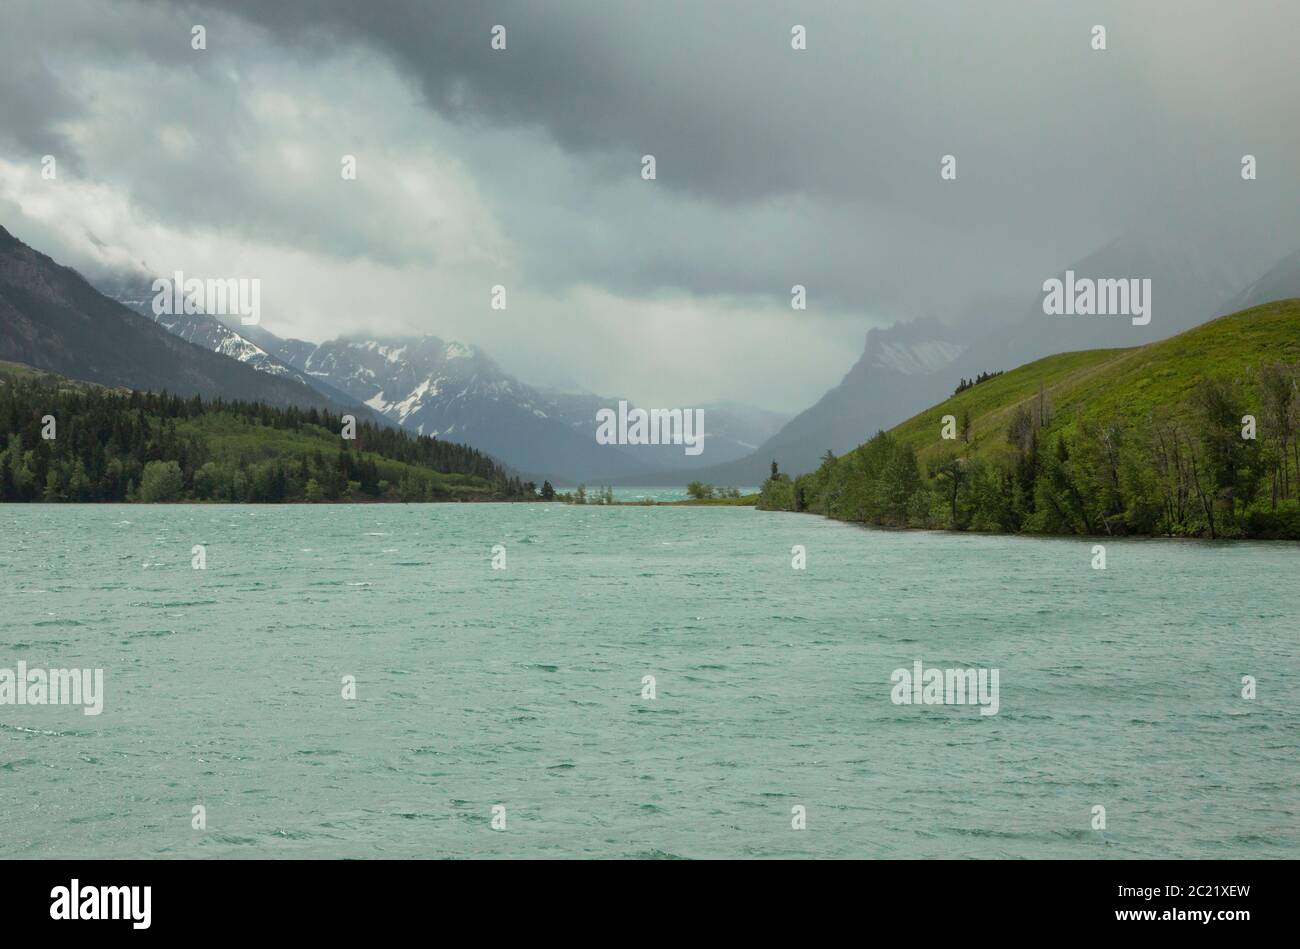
[(32, 104), (775, 166), (179, 131), (1059, 147)]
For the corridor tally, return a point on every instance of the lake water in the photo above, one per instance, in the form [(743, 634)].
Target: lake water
[(523, 687)]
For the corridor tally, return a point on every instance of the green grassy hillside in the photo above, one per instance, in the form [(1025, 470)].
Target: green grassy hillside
[(1143, 440), (1105, 383)]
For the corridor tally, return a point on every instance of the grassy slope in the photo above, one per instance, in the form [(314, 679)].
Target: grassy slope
[(1114, 383), (25, 373)]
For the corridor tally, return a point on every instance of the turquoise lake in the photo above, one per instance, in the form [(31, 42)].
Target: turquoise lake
[(522, 687)]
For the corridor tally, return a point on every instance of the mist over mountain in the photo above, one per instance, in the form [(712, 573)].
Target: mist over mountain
[(913, 364), (209, 332), (1190, 284), (52, 318), (1281, 282), (902, 365), (455, 391), (522, 168)]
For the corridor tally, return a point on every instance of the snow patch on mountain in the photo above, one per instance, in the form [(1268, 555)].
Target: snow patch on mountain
[(917, 358), (204, 331)]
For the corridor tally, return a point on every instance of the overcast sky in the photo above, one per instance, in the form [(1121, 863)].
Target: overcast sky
[(522, 167)]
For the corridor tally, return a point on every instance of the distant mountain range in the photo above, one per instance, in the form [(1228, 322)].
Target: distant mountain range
[(452, 390), (55, 320), (903, 365), (52, 319)]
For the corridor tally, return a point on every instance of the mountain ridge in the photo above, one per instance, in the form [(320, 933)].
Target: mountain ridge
[(1187, 290), (52, 318), (447, 388)]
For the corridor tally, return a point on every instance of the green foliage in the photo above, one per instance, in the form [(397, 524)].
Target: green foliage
[(777, 494), (162, 481), (967, 383), (698, 491), (726, 499), (114, 445), (1106, 442)]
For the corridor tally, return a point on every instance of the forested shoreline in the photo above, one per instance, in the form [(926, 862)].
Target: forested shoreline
[(62, 441), (1157, 477), (1210, 454)]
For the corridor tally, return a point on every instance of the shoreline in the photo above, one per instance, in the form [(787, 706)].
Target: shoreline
[(1097, 538), (745, 501)]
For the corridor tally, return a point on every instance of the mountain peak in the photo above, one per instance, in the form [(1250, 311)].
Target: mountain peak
[(414, 349), (53, 319), (912, 348)]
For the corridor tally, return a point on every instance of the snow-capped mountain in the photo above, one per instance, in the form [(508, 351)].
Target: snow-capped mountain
[(422, 383), (227, 337), (198, 328), (449, 389), (52, 318), (210, 334), (913, 358)]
